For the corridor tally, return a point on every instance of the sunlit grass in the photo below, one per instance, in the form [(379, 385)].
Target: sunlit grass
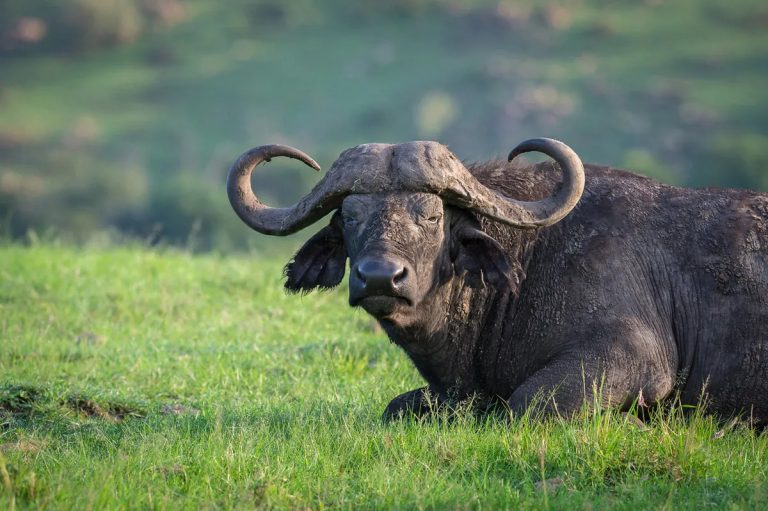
[(132, 379)]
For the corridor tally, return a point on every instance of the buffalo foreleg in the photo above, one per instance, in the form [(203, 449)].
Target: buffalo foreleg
[(566, 386), (415, 403)]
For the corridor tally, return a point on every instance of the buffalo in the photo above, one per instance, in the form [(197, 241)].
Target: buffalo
[(533, 285)]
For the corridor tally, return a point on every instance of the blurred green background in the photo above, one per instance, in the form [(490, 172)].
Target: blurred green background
[(122, 116)]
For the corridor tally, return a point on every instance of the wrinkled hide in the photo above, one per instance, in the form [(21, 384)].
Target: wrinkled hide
[(644, 290)]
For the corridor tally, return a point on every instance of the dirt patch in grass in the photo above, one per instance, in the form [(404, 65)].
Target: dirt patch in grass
[(90, 339), (115, 412), (174, 471), (20, 402), (27, 446)]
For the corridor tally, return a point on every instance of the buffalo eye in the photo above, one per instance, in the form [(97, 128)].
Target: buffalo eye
[(349, 221), (428, 221)]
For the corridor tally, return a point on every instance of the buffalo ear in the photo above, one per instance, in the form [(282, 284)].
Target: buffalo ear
[(480, 257), (320, 263)]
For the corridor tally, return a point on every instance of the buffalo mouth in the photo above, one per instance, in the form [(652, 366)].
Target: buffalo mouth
[(381, 306)]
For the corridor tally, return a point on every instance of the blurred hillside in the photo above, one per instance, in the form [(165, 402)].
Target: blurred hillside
[(125, 114)]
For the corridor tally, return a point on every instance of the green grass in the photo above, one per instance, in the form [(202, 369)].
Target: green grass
[(278, 401)]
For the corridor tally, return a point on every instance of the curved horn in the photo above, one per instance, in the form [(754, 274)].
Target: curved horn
[(431, 167), (459, 187), (361, 169), (262, 218), (553, 209)]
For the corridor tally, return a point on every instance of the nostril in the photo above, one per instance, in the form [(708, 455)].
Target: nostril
[(400, 275), (359, 274)]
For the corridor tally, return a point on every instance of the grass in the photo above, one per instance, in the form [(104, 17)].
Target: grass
[(134, 379)]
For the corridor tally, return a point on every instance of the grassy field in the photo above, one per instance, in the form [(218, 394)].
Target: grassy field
[(135, 379)]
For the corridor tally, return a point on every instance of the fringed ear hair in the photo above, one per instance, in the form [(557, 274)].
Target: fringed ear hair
[(320, 263)]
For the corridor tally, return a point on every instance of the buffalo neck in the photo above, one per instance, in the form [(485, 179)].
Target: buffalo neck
[(462, 331)]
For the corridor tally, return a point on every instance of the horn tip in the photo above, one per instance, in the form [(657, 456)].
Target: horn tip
[(514, 153), (534, 144)]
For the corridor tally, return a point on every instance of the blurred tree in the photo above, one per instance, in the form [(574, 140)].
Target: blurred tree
[(643, 161), (738, 160), (126, 113), (52, 26)]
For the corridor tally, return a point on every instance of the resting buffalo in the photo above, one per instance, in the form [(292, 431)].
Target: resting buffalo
[(509, 281)]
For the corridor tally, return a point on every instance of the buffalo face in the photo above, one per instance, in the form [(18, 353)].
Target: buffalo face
[(395, 245), (402, 247)]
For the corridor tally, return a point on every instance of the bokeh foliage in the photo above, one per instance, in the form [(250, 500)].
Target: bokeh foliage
[(125, 114)]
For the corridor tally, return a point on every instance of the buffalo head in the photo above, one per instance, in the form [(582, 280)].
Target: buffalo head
[(406, 217)]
